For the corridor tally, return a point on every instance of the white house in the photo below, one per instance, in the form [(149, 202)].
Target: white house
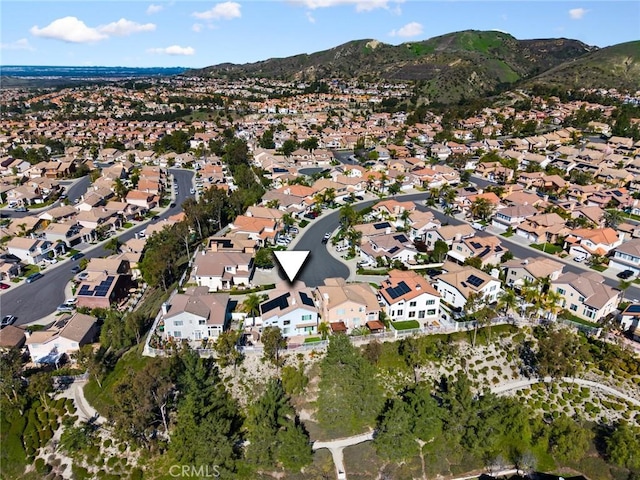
[(196, 314), (63, 338), (459, 282), (627, 256), (222, 270), (294, 312), (409, 296), (30, 250)]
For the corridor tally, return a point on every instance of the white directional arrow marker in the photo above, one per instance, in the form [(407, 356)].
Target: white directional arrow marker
[(291, 261)]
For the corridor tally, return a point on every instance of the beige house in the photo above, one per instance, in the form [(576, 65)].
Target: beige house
[(346, 306), (586, 296), (459, 282), (488, 249), (63, 338), (517, 272), (195, 314), (222, 270)]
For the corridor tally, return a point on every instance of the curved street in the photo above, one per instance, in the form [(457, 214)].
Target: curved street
[(32, 301)]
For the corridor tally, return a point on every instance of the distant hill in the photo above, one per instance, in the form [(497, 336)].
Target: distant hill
[(617, 66), (462, 64)]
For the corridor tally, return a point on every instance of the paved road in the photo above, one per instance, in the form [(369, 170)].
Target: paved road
[(32, 301), (336, 448)]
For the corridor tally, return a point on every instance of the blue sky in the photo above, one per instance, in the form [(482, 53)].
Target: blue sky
[(140, 33)]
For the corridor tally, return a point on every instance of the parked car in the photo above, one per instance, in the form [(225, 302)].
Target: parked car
[(33, 277), (4, 286), (626, 274), (71, 301), (7, 320), (326, 237), (77, 256), (294, 230), (75, 269), (171, 205), (20, 209), (64, 308), (83, 276), (341, 248)]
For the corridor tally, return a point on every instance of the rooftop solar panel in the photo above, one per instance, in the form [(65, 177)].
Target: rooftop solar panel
[(394, 249), (401, 238), (380, 226), (306, 299), (278, 302), (475, 281), (403, 288), (392, 293)]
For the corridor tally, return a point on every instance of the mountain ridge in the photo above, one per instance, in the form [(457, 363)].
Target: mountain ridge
[(450, 67)]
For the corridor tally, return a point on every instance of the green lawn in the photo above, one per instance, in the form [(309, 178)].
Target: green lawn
[(599, 268), (573, 318), (507, 234), (312, 339), (547, 247), (407, 325), (29, 269)]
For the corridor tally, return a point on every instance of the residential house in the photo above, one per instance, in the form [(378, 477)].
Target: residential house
[(107, 283), (407, 295), (11, 337), (31, 250), (196, 314), (627, 256), (511, 217), (222, 270), (390, 247), (586, 295), (65, 337), (585, 242), (420, 223), (347, 306), (262, 230), (488, 249), (294, 312), (449, 234), (459, 282), (545, 227), (517, 272)]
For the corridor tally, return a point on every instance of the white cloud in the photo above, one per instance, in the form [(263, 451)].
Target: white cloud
[(196, 27), (22, 44), (412, 29), (151, 9), (310, 18), (69, 29), (577, 13), (173, 50), (221, 11), (124, 27), (73, 30), (361, 5)]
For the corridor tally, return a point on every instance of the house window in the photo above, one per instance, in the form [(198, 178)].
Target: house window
[(431, 312), (177, 334), (561, 291), (361, 309), (340, 311), (202, 322), (307, 317), (177, 323), (413, 304), (431, 302), (581, 299), (421, 314), (459, 248), (399, 313), (228, 269), (573, 307), (412, 314), (287, 322)]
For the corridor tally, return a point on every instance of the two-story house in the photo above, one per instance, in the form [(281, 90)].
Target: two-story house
[(460, 281), (30, 250), (407, 295), (627, 256), (512, 216), (585, 242), (488, 249), (347, 306), (294, 312), (517, 272), (222, 270), (196, 314), (64, 337), (586, 295)]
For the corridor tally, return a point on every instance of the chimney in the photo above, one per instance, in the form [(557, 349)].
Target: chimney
[(165, 308)]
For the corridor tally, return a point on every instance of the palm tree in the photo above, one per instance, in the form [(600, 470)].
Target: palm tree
[(612, 218), (481, 208), (251, 304), (507, 301), (552, 304), (324, 329)]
